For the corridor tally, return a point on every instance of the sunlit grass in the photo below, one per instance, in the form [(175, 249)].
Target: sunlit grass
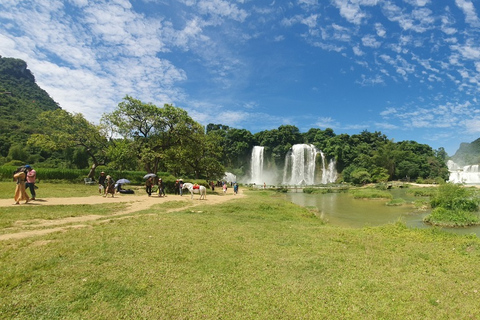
[(370, 193), (51, 190), (253, 258)]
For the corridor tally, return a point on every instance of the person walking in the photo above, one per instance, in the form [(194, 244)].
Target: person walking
[(101, 183), (161, 188), (224, 187), (235, 188), (31, 178), (148, 186), (20, 192)]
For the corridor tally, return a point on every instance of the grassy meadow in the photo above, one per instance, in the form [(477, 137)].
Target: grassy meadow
[(256, 257)]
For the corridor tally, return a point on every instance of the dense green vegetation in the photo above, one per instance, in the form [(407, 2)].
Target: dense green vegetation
[(454, 206), (138, 136)]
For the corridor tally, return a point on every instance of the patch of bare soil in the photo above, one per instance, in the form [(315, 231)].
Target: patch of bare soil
[(135, 203)]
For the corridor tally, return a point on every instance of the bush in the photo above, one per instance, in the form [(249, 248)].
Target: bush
[(371, 194), (396, 202), (455, 197), (451, 218)]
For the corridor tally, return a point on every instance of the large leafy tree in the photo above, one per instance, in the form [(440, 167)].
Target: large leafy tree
[(164, 138), (62, 130)]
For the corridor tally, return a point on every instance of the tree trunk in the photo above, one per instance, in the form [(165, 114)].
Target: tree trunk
[(91, 174)]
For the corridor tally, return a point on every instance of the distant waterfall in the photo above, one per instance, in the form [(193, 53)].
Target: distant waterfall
[(329, 173), (300, 165), (469, 174), (256, 165)]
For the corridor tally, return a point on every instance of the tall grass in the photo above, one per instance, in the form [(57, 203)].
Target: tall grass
[(454, 206), (258, 257)]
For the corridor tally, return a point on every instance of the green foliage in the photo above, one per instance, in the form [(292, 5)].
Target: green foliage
[(455, 197), (370, 193), (396, 202), (360, 176), (423, 192), (441, 216), (454, 205)]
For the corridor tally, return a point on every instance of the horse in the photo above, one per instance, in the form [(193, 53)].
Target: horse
[(201, 190)]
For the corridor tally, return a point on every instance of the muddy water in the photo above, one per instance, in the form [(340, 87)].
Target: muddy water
[(342, 209)]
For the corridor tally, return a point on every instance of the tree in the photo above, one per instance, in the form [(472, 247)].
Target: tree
[(164, 138), (61, 130)]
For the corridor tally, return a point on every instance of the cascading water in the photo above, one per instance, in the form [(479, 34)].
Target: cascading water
[(469, 174), (300, 165), (256, 165), (329, 173)]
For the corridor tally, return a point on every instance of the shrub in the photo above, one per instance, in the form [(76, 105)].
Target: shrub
[(371, 194), (396, 202), (455, 197), (451, 218)]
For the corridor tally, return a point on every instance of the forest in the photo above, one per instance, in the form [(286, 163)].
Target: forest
[(145, 137)]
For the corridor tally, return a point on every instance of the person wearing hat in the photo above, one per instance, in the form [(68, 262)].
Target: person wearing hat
[(31, 178), (101, 183), (109, 186)]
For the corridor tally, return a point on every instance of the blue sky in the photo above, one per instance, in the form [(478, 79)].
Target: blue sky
[(407, 68)]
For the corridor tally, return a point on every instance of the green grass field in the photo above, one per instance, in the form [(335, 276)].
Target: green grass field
[(257, 257)]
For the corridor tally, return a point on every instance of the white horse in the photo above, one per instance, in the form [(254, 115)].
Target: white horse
[(201, 190)]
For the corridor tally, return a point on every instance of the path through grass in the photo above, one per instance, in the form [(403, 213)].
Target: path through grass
[(259, 257)]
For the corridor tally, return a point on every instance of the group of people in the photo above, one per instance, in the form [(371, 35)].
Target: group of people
[(150, 182), (106, 185), (25, 177)]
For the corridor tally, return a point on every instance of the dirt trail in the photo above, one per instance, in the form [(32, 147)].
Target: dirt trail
[(135, 203)]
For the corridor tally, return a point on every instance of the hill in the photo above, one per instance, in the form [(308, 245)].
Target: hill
[(467, 153), (21, 100)]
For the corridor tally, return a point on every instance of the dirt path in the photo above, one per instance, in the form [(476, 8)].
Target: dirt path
[(135, 203)]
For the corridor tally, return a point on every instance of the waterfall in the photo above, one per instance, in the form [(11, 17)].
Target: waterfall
[(256, 165), (329, 173), (300, 165), (469, 174)]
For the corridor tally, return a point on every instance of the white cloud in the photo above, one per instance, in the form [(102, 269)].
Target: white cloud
[(469, 10)]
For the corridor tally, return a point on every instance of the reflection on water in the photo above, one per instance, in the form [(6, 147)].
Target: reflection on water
[(342, 209)]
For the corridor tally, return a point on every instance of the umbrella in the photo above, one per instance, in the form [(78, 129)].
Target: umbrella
[(149, 175), (122, 181)]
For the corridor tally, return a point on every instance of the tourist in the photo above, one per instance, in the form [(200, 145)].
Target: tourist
[(180, 187), (148, 186), (101, 183), (177, 185), (31, 177), (161, 188), (109, 186), (224, 187), (20, 192)]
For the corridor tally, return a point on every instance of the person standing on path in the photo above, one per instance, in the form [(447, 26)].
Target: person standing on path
[(148, 186), (20, 192), (101, 183), (235, 188), (31, 178), (180, 187), (177, 185)]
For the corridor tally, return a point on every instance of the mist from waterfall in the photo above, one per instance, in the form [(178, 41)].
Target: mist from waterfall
[(469, 174)]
